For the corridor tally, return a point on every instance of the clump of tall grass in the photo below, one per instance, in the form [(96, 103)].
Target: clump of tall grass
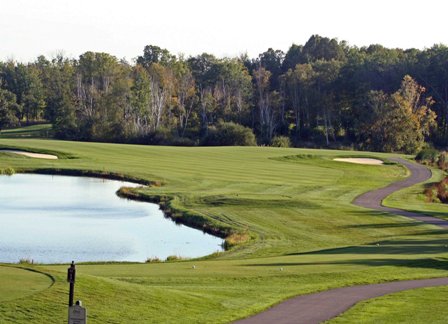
[(170, 258), (7, 171), (157, 183), (235, 239)]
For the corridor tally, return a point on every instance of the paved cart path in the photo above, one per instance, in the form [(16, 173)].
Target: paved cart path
[(319, 307), (373, 199)]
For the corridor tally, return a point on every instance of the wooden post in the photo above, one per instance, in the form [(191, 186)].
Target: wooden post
[(71, 274)]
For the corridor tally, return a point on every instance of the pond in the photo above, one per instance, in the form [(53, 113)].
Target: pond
[(57, 219)]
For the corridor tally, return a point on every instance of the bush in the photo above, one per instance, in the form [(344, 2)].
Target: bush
[(229, 134), (438, 192), (433, 157), (442, 163), (281, 141), (174, 258), (164, 136), (26, 261), (428, 155), (153, 260), (182, 141)]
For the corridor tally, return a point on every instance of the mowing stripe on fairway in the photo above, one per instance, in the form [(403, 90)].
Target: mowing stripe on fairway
[(319, 307)]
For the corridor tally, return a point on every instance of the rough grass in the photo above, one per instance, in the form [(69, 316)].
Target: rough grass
[(295, 205), (34, 131)]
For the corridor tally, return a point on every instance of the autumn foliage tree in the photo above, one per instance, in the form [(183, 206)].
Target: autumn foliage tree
[(401, 121)]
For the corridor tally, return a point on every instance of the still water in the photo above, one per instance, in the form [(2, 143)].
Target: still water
[(55, 219)]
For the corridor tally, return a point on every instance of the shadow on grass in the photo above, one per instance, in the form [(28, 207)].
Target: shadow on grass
[(402, 212), (220, 200), (431, 213), (386, 225), (432, 232), (407, 247), (427, 263)]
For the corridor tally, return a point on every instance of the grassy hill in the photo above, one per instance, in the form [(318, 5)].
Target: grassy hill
[(293, 204), (34, 131)]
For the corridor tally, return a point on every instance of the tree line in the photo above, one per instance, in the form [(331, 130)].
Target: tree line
[(322, 93)]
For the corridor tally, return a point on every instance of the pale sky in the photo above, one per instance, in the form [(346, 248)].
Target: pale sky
[(29, 28)]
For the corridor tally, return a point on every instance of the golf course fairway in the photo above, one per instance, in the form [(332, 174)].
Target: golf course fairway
[(18, 282), (293, 230)]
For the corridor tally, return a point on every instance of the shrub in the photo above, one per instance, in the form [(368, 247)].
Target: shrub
[(164, 136), (438, 192), (433, 157), (281, 141), (442, 161), (229, 134), (428, 155), (153, 260), (174, 258), (26, 261)]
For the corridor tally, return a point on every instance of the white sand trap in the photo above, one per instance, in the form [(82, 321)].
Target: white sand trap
[(360, 161), (32, 155)]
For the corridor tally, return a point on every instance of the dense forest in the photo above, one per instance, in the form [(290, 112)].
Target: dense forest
[(322, 94)]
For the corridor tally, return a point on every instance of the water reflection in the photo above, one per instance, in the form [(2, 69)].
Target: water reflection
[(53, 219)]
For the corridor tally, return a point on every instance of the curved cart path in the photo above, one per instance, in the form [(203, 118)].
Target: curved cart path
[(373, 199), (319, 307)]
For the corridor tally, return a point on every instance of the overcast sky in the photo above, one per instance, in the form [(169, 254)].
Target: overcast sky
[(29, 28)]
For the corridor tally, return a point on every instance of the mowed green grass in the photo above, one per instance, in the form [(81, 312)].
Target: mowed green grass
[(291, 205), (425, 305), (295, 203), (34, 131), (17, 283), (413, 198)]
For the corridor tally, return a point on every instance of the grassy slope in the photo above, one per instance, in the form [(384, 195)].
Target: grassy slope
[(17, 283), (34, 131), (292, 206)]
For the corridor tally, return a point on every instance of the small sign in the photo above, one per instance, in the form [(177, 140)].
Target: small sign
[(77, 315), (71, 273)]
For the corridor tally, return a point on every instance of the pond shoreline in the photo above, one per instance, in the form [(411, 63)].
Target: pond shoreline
[(186, 218), (179, 217), (151, 238)]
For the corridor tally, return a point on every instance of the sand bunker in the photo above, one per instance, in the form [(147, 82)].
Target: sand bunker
[(360, 161), (32, 155)]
